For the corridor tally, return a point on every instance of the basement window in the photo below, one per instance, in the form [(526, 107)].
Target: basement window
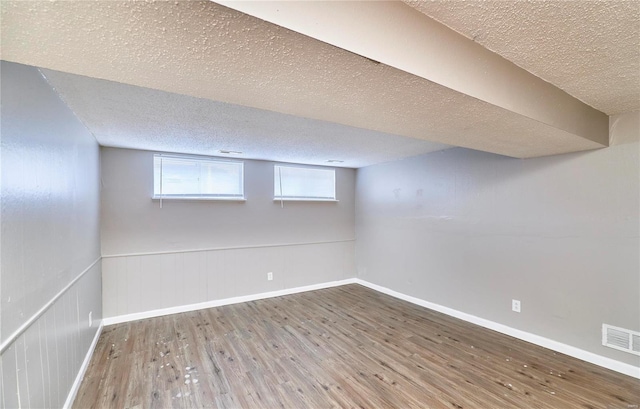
[(304, 184), (197, 178)]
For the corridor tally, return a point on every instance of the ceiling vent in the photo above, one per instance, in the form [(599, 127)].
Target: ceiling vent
[(621, 339)]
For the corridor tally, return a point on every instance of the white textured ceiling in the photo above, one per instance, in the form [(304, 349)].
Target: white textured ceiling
[(590, 49), (205, 50), (128, 116)]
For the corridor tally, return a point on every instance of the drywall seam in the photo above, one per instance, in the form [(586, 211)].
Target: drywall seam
[(572, 351), (12, 338), (258, 246), (227, 301), (83, 369)]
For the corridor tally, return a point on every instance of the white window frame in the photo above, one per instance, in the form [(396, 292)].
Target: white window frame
[(280, 198), (206, 159)]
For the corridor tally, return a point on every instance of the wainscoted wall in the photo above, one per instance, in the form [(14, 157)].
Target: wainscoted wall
[(471, 231), (41, 365), (50, 236), (144, 283), (211, 250)]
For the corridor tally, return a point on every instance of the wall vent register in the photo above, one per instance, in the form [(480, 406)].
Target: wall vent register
[(621, 339), (199, 178)]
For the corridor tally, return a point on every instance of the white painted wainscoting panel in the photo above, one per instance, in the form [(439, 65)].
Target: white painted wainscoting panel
[(42, 364), (140, 283)]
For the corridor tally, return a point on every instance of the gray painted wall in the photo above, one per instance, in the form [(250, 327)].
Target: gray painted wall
[(50, 234), (308, 242), (133, 223), (472, 231)]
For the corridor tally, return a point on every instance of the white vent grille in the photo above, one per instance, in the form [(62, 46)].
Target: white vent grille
[(635, 343), (621, 339)]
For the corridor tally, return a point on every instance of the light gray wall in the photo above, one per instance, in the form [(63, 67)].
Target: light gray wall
[(50, 234), (307, 242), (472, 231), (133, 223)]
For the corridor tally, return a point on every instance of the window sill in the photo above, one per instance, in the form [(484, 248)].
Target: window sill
[(277, 199), (210, 199)]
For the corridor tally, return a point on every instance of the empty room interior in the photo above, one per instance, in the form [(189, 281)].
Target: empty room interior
[(320, 204)]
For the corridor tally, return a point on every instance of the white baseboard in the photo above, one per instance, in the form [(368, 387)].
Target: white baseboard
[(578, 353), (217, 303), (83, 369), (587, 356)]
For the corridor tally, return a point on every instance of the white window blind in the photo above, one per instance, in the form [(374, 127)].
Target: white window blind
[(178, 177), (294, 183)]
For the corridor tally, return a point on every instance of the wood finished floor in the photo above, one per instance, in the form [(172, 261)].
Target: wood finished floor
[(341, 347)]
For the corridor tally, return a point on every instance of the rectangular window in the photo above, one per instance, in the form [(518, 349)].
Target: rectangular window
[(178, 177), (296, 183)]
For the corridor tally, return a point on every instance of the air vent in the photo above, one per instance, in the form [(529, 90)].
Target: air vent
[(635, 343), (621, 339)]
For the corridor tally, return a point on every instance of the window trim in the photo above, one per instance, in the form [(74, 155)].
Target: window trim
[(305, 199), (285, 199), (204, 199), (189, 197)]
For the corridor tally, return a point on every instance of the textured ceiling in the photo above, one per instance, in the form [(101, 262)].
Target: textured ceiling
[(590, 49), (206, 50), (127, 116)]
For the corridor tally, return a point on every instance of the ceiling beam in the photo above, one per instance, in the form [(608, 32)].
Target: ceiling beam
[(453, 91), (397, 35)]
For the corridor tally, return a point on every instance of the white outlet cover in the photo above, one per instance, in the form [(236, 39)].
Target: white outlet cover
[(91, 319), (269, 276), (515, 305)]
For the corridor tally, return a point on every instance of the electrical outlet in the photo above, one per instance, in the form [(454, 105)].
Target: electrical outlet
[(91, 319), (269, 276), (515, 305)]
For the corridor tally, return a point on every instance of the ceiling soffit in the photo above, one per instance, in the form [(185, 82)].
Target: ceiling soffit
[(127, 116), (590, 49), (206, 50), (399, 36)]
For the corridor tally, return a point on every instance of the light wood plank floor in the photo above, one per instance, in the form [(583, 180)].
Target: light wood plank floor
[(347, 347)]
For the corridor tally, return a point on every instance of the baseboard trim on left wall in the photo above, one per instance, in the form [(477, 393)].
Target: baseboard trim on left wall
[(118, 319), (83, 369)]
